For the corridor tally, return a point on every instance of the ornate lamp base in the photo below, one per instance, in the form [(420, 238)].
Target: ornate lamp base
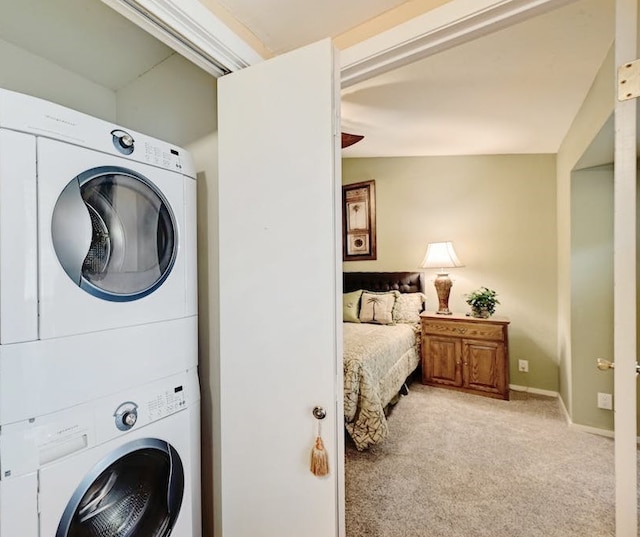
[(443, 288)]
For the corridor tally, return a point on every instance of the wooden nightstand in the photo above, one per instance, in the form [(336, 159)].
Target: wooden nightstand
[(465, 353)]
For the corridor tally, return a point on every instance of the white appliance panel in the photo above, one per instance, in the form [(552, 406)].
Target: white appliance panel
[(18, 503), (18, 238), (65, 308), (191, 245), (42, 377)]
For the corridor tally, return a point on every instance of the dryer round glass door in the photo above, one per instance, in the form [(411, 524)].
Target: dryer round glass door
[(135, 492), (114, 233)]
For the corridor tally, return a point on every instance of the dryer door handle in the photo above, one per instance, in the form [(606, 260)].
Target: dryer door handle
[(71, 230), (175, 490)]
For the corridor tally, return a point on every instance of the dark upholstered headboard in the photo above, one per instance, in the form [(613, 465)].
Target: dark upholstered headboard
[(405, 282)]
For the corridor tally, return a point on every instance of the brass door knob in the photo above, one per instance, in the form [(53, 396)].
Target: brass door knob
[(603, 364)]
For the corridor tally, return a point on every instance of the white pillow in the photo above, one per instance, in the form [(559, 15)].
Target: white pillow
[(377, 307), (408, 307)]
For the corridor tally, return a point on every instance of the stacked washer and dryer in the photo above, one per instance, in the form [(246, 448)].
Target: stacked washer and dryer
[(99, 395)]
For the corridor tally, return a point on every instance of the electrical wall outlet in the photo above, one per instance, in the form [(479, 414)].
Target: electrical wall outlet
[(523, 366), (605, 401)]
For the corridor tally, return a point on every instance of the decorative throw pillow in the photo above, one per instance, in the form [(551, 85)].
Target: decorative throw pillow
[(351, 306), (377, 307), (408, 307)]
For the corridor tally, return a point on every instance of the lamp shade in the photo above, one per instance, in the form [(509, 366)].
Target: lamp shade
[(440, 255)]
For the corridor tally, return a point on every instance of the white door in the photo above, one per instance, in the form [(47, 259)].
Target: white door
[(279, 257), (625, 283)]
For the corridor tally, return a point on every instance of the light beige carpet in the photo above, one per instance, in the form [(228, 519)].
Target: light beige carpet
[(459, 465)]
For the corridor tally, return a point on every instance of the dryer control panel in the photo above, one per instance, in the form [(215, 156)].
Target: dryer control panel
[(160, 156), (148, 150), (24, 113)]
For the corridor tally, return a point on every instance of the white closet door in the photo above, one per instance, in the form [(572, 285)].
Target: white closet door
[(279, 295)]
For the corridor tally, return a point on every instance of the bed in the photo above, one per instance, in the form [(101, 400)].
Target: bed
[(379, 352)]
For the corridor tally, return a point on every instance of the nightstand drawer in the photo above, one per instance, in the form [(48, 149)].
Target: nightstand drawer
[(470, 330)]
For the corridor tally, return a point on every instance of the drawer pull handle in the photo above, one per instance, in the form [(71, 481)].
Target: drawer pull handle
[(462, 330)]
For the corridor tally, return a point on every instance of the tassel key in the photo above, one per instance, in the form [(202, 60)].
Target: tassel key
[(319, 459)]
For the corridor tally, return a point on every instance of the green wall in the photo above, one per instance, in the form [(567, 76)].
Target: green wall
[(591, 292), (579, 380), (25, 72), (500, 213)]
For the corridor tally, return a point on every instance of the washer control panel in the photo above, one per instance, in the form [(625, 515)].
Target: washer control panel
[(36, 442), (166, 403), (156, 406)]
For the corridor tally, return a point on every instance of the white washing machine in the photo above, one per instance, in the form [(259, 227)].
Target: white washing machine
[(97, 224), (127, 465)]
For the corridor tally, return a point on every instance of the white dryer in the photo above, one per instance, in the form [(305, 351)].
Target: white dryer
[(127, 465), (98, 288), (97, 224)]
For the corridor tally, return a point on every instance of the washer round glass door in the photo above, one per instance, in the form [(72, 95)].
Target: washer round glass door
[(114, 233), (135, 492)]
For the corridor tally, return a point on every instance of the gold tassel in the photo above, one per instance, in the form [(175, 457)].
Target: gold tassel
[(319, 459)]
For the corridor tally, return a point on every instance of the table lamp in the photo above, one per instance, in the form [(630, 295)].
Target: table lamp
[(441, 255)]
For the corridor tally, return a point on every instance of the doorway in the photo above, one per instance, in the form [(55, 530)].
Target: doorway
[(480, 262)]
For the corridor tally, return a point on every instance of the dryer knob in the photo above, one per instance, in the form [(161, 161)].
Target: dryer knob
[(126, 141), (122, 141), (129, 418)]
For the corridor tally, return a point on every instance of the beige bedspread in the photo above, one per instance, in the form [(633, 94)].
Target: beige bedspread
[(377, 361)]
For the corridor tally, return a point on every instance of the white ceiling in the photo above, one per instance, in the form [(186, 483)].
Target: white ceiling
[(283, 25), (513, 91)]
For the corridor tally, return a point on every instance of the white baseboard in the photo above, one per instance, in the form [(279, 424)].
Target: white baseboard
[(536, 391), (592, 430), (575, 426), (583, 428)]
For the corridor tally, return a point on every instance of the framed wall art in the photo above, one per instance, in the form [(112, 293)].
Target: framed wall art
[(359, 221)]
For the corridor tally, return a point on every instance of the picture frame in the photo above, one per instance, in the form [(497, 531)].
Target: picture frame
[(359, 221)]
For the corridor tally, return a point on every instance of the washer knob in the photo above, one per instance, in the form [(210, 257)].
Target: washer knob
[(130, 418), (126, 415)]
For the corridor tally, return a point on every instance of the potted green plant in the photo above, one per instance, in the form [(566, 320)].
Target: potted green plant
[(483, 302)]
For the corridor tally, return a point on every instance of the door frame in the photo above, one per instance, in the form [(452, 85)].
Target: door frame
[(444, 27), (624, 274), (218, 45), (193, 30)]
